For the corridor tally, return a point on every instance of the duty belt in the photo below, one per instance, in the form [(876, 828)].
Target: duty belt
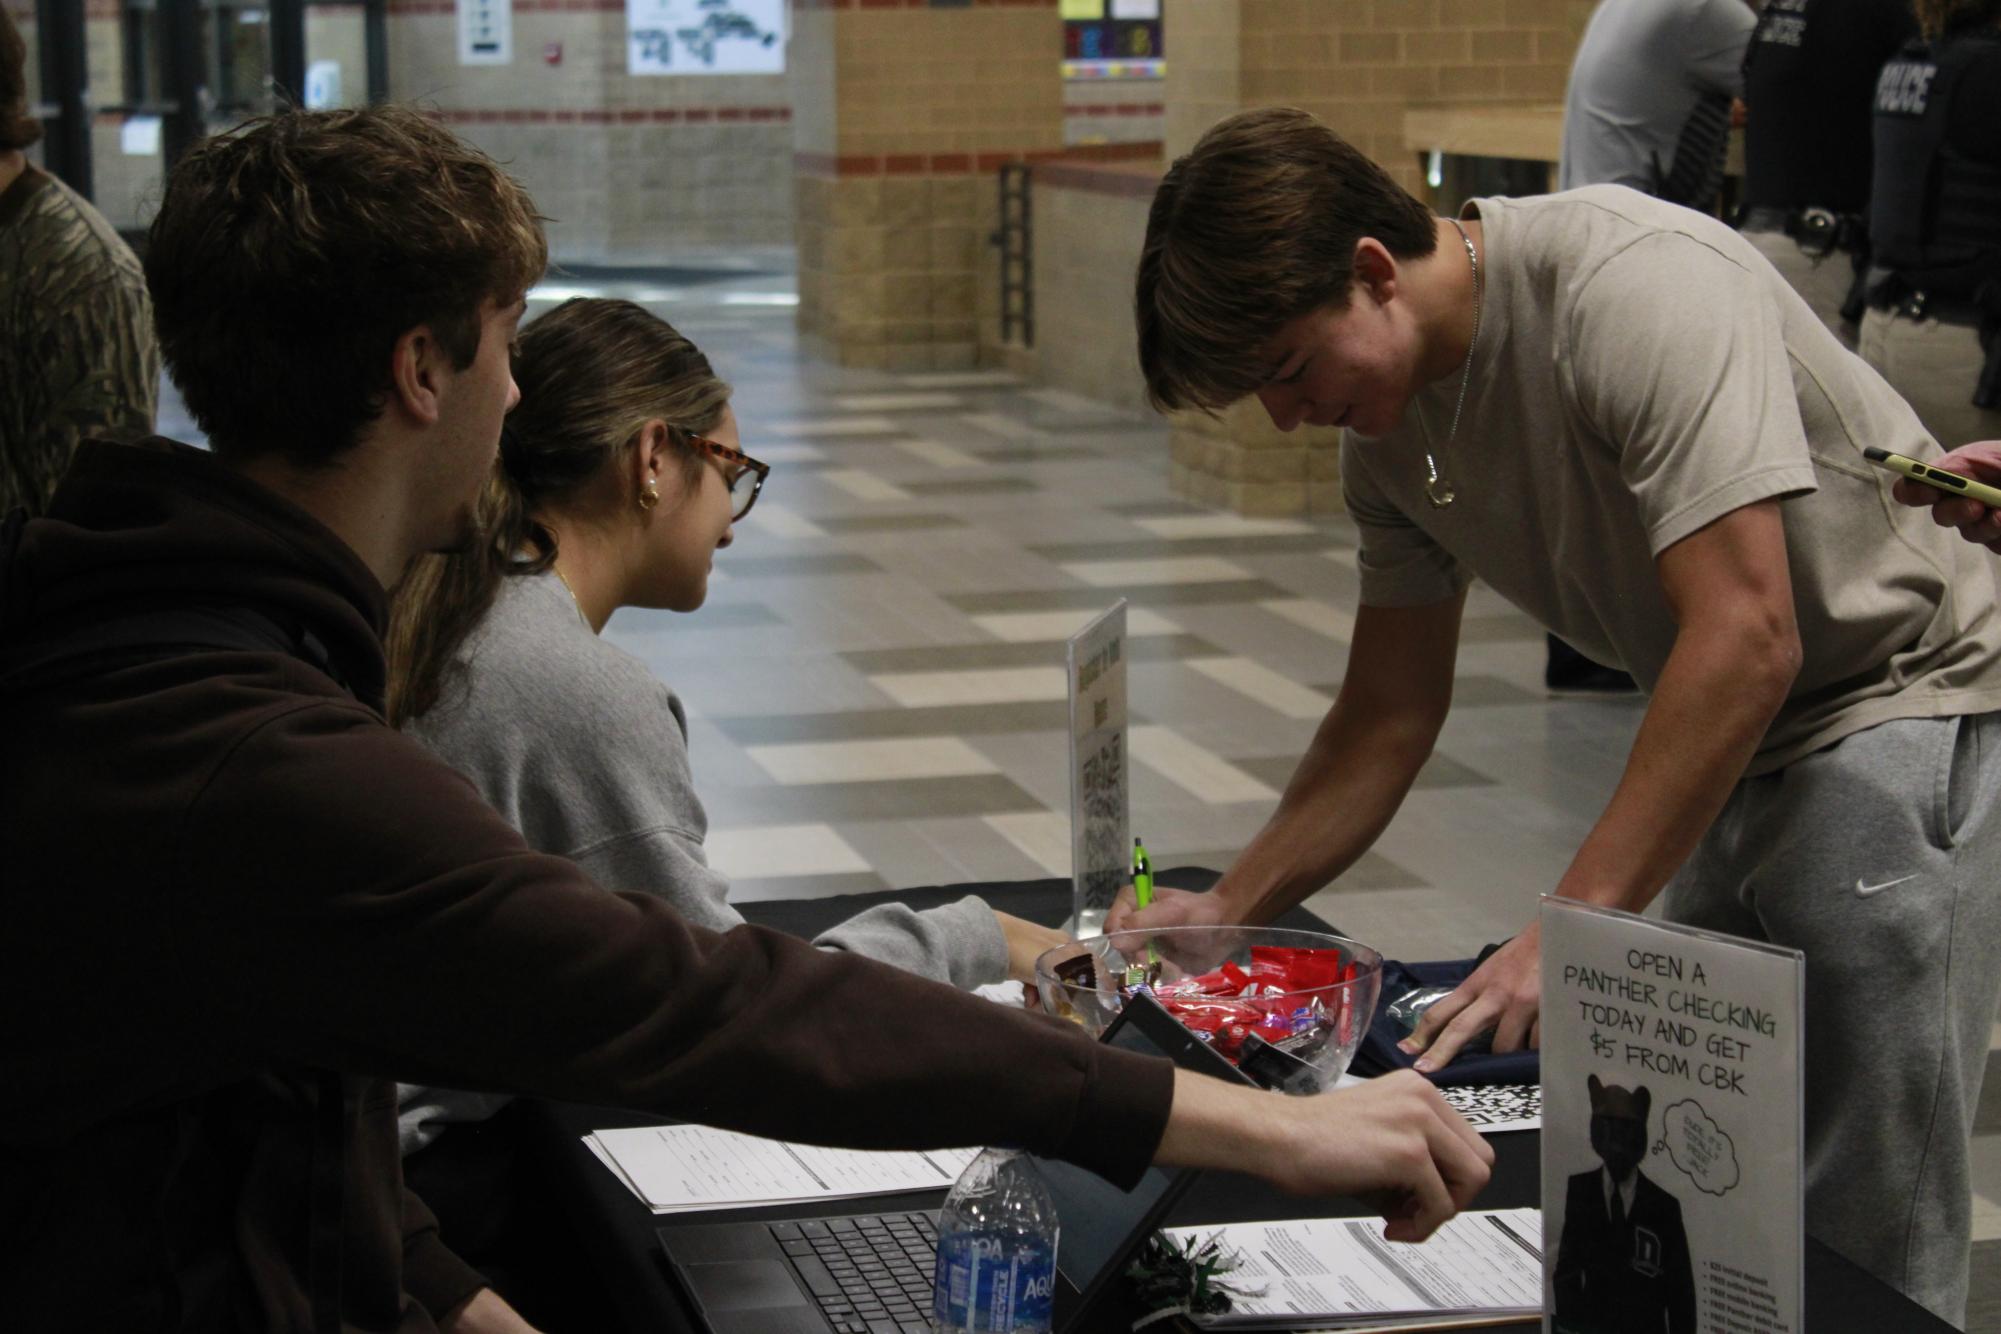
[(1819, 231), (1890, 291)]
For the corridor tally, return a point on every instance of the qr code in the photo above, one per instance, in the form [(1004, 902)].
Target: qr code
[(1497, 1106), (1104, 789)]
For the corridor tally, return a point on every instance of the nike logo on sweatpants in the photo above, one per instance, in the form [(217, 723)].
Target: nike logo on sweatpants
[(1863, 891)]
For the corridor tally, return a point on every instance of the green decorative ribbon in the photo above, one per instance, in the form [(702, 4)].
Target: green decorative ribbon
[(1184, 1278)]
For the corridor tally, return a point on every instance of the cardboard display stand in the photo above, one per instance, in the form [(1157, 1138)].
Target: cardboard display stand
[(1672, 1127)]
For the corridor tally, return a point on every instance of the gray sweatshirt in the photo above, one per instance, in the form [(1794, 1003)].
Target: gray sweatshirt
[(585, 751)]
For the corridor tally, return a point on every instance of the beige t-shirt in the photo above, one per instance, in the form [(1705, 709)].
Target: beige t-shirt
[(1640, 372)]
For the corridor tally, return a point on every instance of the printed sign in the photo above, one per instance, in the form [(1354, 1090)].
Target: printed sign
[(322, 85), (1127, 33), (705, 36), (486, 32), (139, 136), (1100, 801), (1671, 1162)]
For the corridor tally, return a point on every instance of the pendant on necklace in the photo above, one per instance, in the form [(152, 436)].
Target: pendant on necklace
[(1436, 489)]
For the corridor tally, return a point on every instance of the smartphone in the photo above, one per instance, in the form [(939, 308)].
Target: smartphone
[(1949, 482)]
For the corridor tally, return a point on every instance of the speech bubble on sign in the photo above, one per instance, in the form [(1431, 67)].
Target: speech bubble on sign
[(1698, 1146)]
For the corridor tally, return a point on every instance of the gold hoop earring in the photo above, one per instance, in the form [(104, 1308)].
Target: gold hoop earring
[(650, 496)]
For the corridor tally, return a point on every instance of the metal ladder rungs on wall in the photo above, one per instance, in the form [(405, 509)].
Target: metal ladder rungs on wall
[(1014, 238)]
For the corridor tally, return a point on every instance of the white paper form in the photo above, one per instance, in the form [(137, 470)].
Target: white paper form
[(1324, 1269), (675, 1169)]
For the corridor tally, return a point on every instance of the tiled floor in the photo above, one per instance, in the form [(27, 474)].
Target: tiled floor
[(875, 689)]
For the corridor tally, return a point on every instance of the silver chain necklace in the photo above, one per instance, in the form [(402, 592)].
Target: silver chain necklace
[(1437, 487)]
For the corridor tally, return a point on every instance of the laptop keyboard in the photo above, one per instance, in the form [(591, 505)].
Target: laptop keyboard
[(870, 1274)]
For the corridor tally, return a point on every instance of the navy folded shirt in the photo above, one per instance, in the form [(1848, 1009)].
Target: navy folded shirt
[(1379, 1053)]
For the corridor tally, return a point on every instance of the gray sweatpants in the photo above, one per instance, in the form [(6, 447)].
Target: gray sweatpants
[(1880, 858)]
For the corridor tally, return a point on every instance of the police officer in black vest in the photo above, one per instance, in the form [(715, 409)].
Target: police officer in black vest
[(1933, 327), (1809, 85)]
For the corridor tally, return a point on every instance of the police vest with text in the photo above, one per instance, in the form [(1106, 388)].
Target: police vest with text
[(1935, 215)]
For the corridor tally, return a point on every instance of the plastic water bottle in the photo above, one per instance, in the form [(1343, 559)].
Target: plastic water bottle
[(996, 1250)]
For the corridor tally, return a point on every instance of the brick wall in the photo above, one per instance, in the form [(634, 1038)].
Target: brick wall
[(906, 114), (932, 81), (888, 267), (1204, 80), (1113, 111), (1089, 222), (1358, 64), (627, 167), (1237, 460)]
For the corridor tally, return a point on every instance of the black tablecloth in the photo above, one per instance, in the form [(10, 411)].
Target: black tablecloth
[(607, 1235)]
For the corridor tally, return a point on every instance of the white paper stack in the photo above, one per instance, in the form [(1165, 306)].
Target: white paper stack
[(682, 1169), (1339, 1273)]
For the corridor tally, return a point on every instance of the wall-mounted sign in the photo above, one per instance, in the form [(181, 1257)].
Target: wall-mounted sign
[(705, 36), (139, 136), (1130, 30), (322, 85), (1671, 1127), (486, 32)]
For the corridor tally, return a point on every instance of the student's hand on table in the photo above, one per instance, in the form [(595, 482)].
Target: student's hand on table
[(1503, 994), (1392, 1141), (1170, 907), (1026, 942), (1981, 461), (485, 1312), (1396, 1143)]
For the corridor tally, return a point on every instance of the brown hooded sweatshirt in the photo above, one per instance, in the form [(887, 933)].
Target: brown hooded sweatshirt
[(225, 876)]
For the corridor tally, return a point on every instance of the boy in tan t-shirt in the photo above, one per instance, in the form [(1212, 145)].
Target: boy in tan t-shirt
[(1616, 414)]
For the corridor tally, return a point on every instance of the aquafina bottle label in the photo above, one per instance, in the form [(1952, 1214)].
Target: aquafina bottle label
[(996, 1250)]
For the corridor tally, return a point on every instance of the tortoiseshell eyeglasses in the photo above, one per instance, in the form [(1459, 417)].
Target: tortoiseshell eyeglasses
[(737, 465)]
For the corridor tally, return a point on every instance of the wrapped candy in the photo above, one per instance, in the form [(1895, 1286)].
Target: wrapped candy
[(1233, 1003)]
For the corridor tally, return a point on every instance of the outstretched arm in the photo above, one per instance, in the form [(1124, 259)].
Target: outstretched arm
[(1353, 777), (1393, 1140), (1736, 652)]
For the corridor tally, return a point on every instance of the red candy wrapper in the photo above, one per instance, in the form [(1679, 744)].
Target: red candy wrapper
[(1226, 1006)]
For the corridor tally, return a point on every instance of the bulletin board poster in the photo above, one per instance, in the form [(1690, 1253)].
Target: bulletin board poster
[(1672, 1127), (486, 32), (1100, 798), (1112, 30), (705, 36)]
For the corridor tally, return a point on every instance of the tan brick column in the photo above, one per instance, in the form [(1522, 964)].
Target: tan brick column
[(1359, 67), (903, 113)]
